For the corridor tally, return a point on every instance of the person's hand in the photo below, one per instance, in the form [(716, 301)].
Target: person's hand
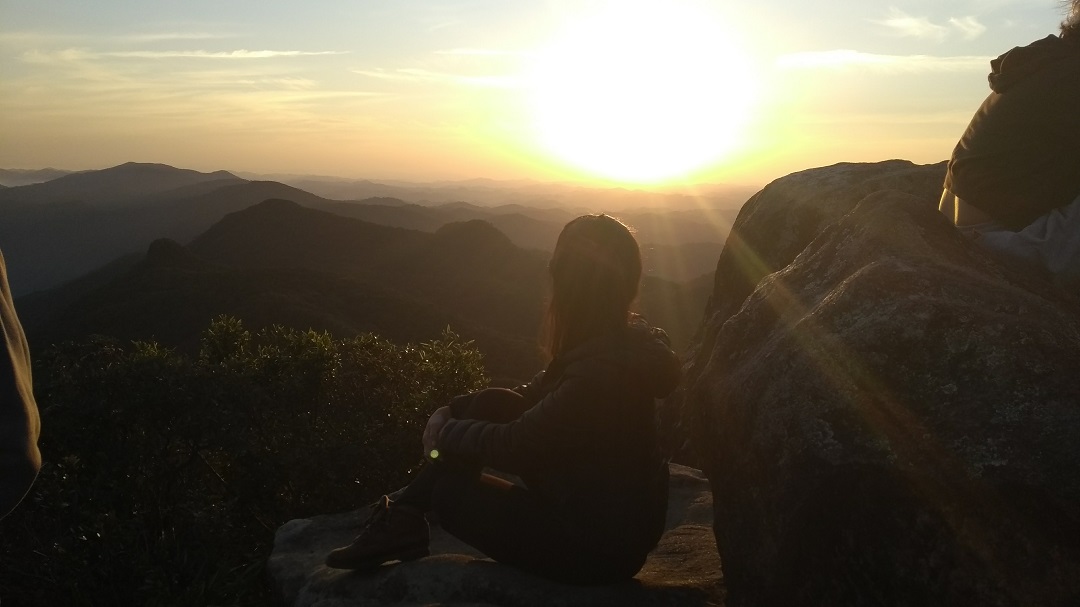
[(434, 425)]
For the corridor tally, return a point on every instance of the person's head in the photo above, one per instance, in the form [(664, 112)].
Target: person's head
[(1070, 27), (595, 271)]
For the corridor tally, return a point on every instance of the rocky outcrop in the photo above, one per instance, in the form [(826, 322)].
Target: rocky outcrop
[(772, 228), (886, 414), (682, 571)]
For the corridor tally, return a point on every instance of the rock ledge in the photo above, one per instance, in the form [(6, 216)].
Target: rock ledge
[(683, 570)]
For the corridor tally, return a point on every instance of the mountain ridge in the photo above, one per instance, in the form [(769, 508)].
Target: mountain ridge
[(48, 243), (114, 185), (55, 231), (16, 177), (280, 262)]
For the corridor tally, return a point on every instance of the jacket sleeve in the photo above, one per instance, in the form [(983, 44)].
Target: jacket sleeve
[(532, 391), (460, 404), (560, 427), (20, 459)]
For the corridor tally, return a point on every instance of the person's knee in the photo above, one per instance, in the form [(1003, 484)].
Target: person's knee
[(498, 405)]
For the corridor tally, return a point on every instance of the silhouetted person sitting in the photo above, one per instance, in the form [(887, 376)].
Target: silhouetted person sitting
[(1013, 182), (19, 424), (581, 436)]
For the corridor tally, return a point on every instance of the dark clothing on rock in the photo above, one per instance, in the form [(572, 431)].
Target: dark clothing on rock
[(1020, 156), (19, 423), (582, 437), (512, 524)]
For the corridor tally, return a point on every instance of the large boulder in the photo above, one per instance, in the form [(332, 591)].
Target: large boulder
[(772, 228), (682, 571), (886, 414)]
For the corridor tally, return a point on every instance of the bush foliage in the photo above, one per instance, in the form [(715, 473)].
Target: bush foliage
[(166, 476)]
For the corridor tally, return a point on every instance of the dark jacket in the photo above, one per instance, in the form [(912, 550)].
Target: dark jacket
[(1020, 156), (19, 424), (589, 446)]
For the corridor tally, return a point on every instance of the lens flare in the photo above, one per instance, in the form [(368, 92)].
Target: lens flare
[(643, 91)]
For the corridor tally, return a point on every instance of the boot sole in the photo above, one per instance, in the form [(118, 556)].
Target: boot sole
[(410, 555), (404, 555)]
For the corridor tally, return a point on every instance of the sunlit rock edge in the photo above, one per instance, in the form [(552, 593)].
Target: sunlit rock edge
[(886, 414)]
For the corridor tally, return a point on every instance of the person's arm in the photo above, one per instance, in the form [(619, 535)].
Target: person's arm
[(562, 425), (532, 392), (20, 426), (460, 404)]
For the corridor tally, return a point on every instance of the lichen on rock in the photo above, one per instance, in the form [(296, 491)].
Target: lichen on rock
[(886, 414)]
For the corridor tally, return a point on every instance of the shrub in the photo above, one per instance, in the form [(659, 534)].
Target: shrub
[(166, 476)]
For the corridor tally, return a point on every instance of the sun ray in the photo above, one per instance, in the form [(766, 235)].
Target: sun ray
[(642, 92)]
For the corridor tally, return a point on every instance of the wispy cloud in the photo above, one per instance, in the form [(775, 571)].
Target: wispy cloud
[(237, 95), (847, 119), (481, 52), (49, 38), (969, 27), (200, 85), (460, 66), (909, 26), (81, 54), (166, 36), (297, 84), (423, 75), (68, 55), (906, 25), (845, 58), (200, 54), (399, 75)]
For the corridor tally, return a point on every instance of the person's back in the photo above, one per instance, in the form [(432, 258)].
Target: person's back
[(1020, 156), (1013, 182)]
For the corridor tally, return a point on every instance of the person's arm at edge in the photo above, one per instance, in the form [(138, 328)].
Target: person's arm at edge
[(20, 425), (532, 391), (554, 428)]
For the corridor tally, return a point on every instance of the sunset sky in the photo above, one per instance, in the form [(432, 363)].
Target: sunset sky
[(628, 92)]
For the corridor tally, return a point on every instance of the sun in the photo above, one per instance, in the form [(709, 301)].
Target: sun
[(642, 92)]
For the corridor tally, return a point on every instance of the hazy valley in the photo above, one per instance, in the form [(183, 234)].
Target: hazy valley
[(81, 259)]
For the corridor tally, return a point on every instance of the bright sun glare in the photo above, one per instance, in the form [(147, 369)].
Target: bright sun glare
[(643, 91)]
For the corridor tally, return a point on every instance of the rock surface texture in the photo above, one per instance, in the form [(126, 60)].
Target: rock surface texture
[(682, 571), (886, 414)]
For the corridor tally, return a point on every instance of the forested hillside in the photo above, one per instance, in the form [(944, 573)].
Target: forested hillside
[(278, 262), (165, 475)]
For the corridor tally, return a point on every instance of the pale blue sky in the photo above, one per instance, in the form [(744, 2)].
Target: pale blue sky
[(433, 90)]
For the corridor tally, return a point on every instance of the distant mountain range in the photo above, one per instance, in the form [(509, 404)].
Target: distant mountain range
[(490, 192), (148, 251), (127, 183), (51, 234), (677, 245), (279, 262), (58, 230), (16, 177)]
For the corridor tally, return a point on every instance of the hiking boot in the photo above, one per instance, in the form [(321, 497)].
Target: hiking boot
[(391, 533)]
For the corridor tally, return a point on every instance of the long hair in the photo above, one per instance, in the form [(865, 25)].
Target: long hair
[(595, 271), (1070, 27)]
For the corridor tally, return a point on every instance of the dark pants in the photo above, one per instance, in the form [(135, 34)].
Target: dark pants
[(507, 522)]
